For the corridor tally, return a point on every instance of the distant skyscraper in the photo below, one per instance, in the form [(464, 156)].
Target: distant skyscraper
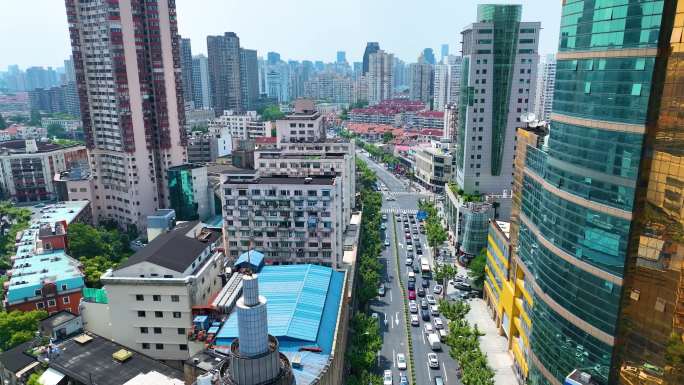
[(39, 77), (379, 76), (278, 82), (497, 86), (357, 70), (224, 72), (546, 80), (420, 81), (130, 90), (261, 65), (429, 56), (341, 57), (445, 52), (399, 80), (319, 65), (73, 105), (273, 58), (249, 78), (186, 71), (371, 47), (447, 82), (200, 82)]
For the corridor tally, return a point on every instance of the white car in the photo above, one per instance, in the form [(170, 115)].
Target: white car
[(437, 289), (391, 198), (434, 310), (414, 320), (428, 328), (409, 247), (433, 361), (438, 323), (387, 377), (431, 299), (401, 361), (413, 308)]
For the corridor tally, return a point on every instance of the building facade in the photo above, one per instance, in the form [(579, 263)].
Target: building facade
[(421, 77), (186, 71), (131, 97), (493, 97), (330, 87), (246, 125), (433, 168), (371, 47), (379, 76), (546, 80), (189, 193), (249, 78), (224, 72), (305, 124), (201, 92)]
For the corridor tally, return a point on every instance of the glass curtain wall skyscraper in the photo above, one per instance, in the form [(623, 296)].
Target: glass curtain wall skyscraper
[(605, 300)]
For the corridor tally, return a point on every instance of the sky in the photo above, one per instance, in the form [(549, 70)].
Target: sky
[(34, 32)]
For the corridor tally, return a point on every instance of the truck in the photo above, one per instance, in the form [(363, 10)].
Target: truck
[(433, 340)]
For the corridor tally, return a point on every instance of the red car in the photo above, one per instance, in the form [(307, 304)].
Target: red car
[(412, 294)]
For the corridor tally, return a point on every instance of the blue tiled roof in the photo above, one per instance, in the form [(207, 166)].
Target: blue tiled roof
[(302, 303), (255, 258)]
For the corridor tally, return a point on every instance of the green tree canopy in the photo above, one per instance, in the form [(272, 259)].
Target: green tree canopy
[(55, 130), (271, 112), (93, 268), (88, 241), (18, 327), (387, 137), (35, 118), (477, 269)]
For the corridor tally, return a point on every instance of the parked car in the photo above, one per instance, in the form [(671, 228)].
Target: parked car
[(437, 289), (403, 380), (433, 361), (387, 377), (401, 361), (463, 286)]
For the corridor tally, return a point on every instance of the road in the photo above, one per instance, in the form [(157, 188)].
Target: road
[(395, 339)]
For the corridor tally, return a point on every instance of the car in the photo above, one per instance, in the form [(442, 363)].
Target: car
[(434, 310), (401, 361), (433, 361), (403, 380), (409, 247), (424, 283), (375, 315), (465, 286), (438, 323), (414, 320), (381, 290), (428, 328), (413, 308), (420, 292), (422, 230), (408, 236), (437, 289), (409, 241), (384, 217), (419, 251), (439, 380), (391, 198), (412, 294), (458, 296), (416, 269), (409, 254), (411, 276), (411, 285), (415, 231), (431, 299), (409, 261), (387, 377), (423, 304)]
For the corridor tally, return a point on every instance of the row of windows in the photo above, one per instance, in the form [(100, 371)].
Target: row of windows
[(158, 330), (157, 297), (274, 192), (158, 314), (52, 303), (146, 346)]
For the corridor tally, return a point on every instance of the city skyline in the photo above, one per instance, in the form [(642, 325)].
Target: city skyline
[(348, 32)]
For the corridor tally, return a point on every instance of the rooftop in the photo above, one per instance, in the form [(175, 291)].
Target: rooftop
[(316, 180), (431, 114), (177, 249), (19, 146), (57, 319), (16, 359), (91, 362)]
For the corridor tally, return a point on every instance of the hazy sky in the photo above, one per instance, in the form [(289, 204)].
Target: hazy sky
[(34, 32)]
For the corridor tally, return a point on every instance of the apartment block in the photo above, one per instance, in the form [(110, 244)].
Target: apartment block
[(207, 147), (224, 72), (304, 124), (546, 84), (246, 125), (330, 87), (290, 219), (379, 76), (433, 167)]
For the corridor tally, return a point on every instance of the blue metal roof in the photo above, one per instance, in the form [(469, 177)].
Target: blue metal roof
[(302, 302), (253, 258)]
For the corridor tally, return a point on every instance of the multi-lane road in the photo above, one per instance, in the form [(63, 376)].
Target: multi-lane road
[(390, 308)]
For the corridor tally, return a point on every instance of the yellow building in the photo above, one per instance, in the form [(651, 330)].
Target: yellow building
[(507, 296)]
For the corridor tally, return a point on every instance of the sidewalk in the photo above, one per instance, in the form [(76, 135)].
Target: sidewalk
[(492, 344)]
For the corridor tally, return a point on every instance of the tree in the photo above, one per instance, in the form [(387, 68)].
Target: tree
[(54, 130), (477, 269), (344, 115), (18, 119), (271, 112), (200, 127), (34, 378), (18, 327), (35, 118), (3, 123), (88, 241), (387, 137), (360, 104), (443, 273), (93, 268)]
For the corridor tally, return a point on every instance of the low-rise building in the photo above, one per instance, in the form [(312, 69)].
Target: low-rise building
[(427, 119), (18, 363), (207, 147), (371, 132), (27, 168), (151, 296), (433, 167), (291, 219), (304, 124), (43, 275), (68, 125), (390, 111), (240, 126)]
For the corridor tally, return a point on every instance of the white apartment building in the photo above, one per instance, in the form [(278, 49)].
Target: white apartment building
[(289, 219), (330, 87), (379, 76), (447, 82), (304, 124), (546, 84), (132, 119), (496, 97), (151, 296), (331, 158), (239, 126)]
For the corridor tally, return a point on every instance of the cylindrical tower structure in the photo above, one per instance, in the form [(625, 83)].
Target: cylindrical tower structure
[(252, 319)]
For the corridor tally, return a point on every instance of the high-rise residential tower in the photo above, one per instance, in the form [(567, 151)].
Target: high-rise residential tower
[(429, 56), (546, 80), (186, 71), (371, 47), (444, 52), (421, 77), (224, 72), (497, 85), (130, 91), (379, 76), (249, 78), (200, 82), (341, 57), (600, 242)]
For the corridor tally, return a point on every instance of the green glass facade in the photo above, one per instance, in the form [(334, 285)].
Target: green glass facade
[(466, 97), (580, 194), (505, 20), (181, 195)]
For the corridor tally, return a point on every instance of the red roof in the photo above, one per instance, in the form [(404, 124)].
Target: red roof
[(266, 140), (432, 132), (431, 114)]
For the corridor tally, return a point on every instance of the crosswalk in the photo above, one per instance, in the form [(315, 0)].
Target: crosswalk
[(399, 211)]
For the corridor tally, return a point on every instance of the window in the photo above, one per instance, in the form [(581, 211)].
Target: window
[(587, 87), (181, 331), (157, 330), (141, 313), (156, 298), (143, 330), (64, 287), (176, 314), (183, 347), (37, 292), (175, 298), (145, 345), (65, 300), (52, 303), (159, 346), (139, 297), (636, 89), (39, 305), (159, 314)]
